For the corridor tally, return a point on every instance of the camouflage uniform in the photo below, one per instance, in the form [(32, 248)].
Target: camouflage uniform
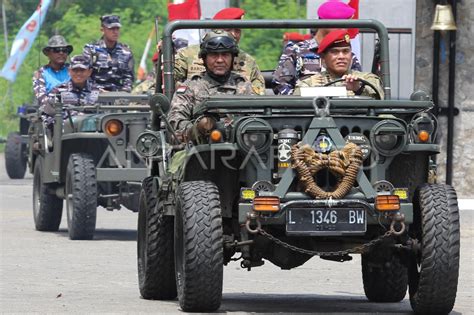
[(67, 93), (188, 64), (195, 91), (298, 62), (112, 68), (45, 79), (324, 77)]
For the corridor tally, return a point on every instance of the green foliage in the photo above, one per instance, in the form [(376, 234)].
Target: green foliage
[(78, 21)]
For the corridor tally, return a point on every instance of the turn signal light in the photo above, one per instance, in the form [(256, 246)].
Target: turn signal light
[(113, 127), (271, 204), (423, 136), (387, 203), (215, 136)]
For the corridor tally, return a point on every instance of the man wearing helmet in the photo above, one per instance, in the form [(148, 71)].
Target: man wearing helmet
[(217, 52), (187, 62)]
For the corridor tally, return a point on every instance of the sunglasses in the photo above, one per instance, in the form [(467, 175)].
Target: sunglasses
[(58, 50), (221, 42)]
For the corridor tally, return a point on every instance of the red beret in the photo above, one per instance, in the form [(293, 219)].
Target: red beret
[(337, 38), (155, 57), (229, 14), (293, 36), (335, 10)]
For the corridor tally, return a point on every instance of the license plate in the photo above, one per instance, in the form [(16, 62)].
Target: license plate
[(326, 221)]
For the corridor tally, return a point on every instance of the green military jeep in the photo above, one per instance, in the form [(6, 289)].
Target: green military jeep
[(87, 159), (294, 177), (16, 147)]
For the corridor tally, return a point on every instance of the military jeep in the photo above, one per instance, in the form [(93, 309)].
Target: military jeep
[(294, 177), (16, 147), (88, 160)]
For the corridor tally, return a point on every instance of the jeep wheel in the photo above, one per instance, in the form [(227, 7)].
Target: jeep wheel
[(433, 272), (385, 277), (81, 197), (198, 247), (47, 207), (155, 248), (15, 156)]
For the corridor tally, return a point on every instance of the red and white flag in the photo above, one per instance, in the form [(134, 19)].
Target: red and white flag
[(187, 10), (142, 69), (354, 32)]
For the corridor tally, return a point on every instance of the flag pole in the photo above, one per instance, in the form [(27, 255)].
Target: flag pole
[(5, 30)]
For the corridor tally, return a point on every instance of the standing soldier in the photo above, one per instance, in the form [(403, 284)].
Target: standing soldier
[(218, 51), (112, 62), (188, 64), (301, 60), (55, 72)]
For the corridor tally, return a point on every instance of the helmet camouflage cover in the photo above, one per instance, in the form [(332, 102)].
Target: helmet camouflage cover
[(218, 41)]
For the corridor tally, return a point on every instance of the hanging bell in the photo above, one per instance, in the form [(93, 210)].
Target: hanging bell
[(443, 18)]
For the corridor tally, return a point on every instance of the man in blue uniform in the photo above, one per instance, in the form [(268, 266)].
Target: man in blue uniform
[(112, 62), (55, 72)]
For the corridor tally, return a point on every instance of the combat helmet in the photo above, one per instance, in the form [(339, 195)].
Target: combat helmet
[(218, 41)]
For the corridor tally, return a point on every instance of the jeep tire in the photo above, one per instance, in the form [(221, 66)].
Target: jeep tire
[(155, 249), (385, 277), (198, 247), (434, 270), (15, 156), (47, 207), (81, 197)]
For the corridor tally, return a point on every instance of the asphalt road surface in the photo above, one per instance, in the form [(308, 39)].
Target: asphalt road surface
[(47, 273)]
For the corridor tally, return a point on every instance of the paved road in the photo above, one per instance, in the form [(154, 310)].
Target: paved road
[(48, 273)]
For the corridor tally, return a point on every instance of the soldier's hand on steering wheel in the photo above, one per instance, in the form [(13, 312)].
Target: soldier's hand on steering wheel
[(352, 82)]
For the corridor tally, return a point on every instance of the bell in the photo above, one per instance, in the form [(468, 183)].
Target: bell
[(443, 18)]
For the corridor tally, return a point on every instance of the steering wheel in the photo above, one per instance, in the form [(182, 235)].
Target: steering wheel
[(365, 82)]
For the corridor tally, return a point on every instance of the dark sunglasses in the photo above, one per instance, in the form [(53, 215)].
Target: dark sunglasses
[(220, 42), (58, 50)]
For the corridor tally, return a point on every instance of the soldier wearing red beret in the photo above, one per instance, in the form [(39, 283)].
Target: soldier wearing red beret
[(335, 51), (300, 60)]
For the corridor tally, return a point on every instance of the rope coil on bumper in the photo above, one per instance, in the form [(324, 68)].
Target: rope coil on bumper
[(344, 164)]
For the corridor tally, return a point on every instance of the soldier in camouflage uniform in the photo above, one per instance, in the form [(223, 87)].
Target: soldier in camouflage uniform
[(301, 60), (218, 50), (188, 64), (78, 90), (112, 62), (55, 72), (336, 53)]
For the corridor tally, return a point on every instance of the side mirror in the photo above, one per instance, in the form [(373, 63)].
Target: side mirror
[(160, 105)]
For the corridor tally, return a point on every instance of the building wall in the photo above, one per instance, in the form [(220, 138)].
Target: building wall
[(463, 164)]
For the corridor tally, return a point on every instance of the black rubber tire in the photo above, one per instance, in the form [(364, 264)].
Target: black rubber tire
[(15, 156), (155, 247), (81, 197), (433, 273), (198, 247), (47, 207), (385, 278)]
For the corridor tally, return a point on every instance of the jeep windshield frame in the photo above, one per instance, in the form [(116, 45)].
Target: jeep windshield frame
[(167, 44)]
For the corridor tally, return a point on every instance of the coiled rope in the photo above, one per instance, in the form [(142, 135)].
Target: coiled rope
[(343, 164)]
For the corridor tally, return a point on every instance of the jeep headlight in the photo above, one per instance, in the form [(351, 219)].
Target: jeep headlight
[(423, 128), (149, 143), (388, 137), (254, 134)]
